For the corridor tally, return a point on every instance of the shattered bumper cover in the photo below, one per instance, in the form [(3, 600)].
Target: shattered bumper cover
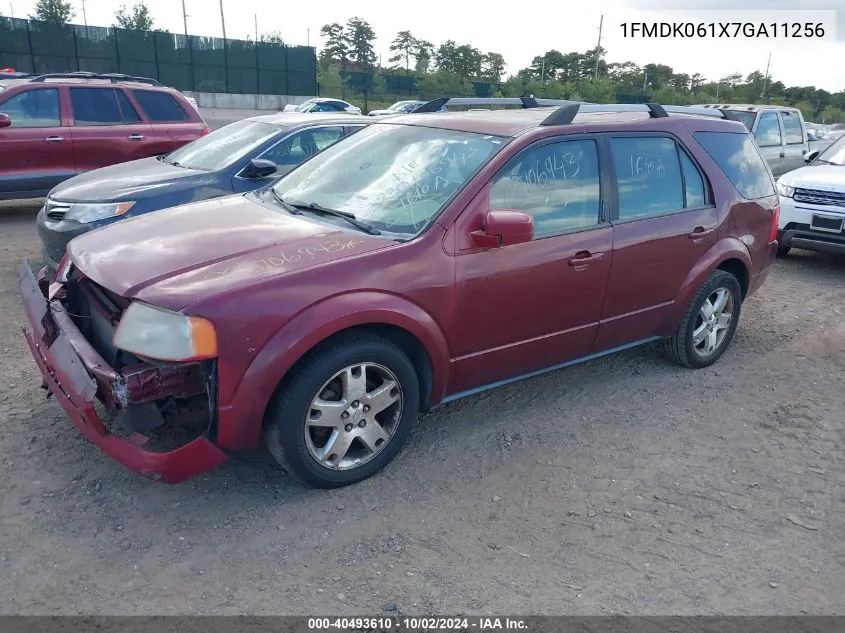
[(75, 373)]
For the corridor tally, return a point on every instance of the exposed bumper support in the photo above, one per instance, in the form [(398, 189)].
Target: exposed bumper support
[(75, 373)]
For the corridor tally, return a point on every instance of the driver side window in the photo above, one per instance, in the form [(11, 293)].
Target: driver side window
[(557, 183), (296, 148)]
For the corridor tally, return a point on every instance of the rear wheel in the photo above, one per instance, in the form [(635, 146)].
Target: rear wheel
[(709, 323), (345, 413)]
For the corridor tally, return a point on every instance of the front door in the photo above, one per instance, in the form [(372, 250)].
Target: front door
[(794, 142), (663, 223), (525, 307), (36, 152)]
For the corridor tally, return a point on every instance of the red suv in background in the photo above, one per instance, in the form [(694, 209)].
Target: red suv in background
[(55, 126)]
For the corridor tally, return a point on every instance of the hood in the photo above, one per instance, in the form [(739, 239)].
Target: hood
[(821, 177), (175, 257), (126, 181)]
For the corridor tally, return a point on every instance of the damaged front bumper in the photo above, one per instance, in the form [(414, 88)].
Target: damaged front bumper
[(76, 374)]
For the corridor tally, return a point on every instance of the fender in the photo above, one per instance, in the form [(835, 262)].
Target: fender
[(240, 420), (721, 251)]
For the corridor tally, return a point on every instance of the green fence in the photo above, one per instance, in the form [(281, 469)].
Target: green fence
[(202, 64)]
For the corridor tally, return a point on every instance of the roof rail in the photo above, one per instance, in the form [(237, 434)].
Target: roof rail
[(526, 102), (566, 114), (113, 77)]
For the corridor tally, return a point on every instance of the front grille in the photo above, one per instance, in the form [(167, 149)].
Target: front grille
[(55, 210), (96, 312), (816, 196)]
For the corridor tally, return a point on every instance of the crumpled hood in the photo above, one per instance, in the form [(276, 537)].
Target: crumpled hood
[(175, 257), (821, 177), (125, 181)]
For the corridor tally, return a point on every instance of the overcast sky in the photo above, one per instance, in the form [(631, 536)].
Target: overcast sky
[(528, 29)]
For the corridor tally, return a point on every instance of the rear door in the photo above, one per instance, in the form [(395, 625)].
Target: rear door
[(36, 152), (175, 121), (663, 222), (769, 138), (107, 128), (794, 138)]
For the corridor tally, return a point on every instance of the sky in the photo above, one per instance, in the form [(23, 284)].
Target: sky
[(525, 30)]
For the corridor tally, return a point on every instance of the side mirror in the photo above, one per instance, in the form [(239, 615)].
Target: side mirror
[(503, 227), (260, 168), (5, 120), (811, 156)]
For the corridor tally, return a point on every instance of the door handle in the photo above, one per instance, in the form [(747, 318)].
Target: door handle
[(583, 259), (54, 139), (782, 154), (136, 137), (700, 232)]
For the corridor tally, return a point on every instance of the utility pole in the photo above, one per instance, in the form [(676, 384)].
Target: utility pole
[(766, 79), (185, 18), (718, 87), (308, 37), (12, 9), (543, 72), (598, 46), (256, 28), (222, 19), (645, 79), (84, 16)]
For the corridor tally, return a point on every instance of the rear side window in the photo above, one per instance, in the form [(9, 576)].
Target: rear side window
[(34, 108), (693, 182), (746, 117), (792, 127), (739, 159), (768, 130), (648, 174), (101, 106), (160, 106)]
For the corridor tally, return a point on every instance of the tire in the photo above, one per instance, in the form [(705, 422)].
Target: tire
[(300, 431), (681, 348)]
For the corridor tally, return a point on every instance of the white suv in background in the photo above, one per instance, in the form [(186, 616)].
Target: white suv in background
[(812, 203)]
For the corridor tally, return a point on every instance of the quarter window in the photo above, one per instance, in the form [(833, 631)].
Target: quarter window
[(557, 183), (768, 130), (34, 108), (740, 161)]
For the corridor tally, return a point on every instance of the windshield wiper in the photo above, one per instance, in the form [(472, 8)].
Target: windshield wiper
[(291, 208), (349, 217)]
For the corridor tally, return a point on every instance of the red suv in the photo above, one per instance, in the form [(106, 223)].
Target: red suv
[(422, 259), (55, 126)]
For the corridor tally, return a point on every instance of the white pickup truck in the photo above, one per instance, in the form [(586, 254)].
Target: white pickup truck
[(780, 133)]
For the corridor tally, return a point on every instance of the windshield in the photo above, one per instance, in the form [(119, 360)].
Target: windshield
[(222, 147), (746, 117), (832, 136), (396, 178), (834, 154)]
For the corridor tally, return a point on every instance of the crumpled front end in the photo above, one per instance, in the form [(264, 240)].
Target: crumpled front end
[(157, 419)]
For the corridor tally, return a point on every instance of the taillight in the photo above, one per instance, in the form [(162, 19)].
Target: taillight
[(773, 234), (205, 131)]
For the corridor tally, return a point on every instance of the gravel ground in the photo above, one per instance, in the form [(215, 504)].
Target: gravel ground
[(624, 485)]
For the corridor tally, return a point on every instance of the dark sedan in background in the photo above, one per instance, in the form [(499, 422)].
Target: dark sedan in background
[(237, 158)]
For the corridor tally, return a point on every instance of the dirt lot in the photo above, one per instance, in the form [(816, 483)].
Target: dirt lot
[(625, 485)]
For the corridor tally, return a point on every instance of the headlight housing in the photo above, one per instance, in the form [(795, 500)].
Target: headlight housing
[(785, 190), (84, 212), (156, 333)]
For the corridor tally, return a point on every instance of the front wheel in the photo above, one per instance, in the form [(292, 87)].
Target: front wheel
[(709, 323), (345, 413)]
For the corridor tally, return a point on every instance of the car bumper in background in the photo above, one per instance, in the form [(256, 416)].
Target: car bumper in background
[(75, 374), (55, 236), (796, 226)]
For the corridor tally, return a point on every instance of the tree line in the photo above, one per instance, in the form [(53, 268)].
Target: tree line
[(450, 69)]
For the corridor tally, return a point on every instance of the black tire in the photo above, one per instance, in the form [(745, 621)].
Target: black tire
[(285, 424), (680, 347), (783, 249)]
